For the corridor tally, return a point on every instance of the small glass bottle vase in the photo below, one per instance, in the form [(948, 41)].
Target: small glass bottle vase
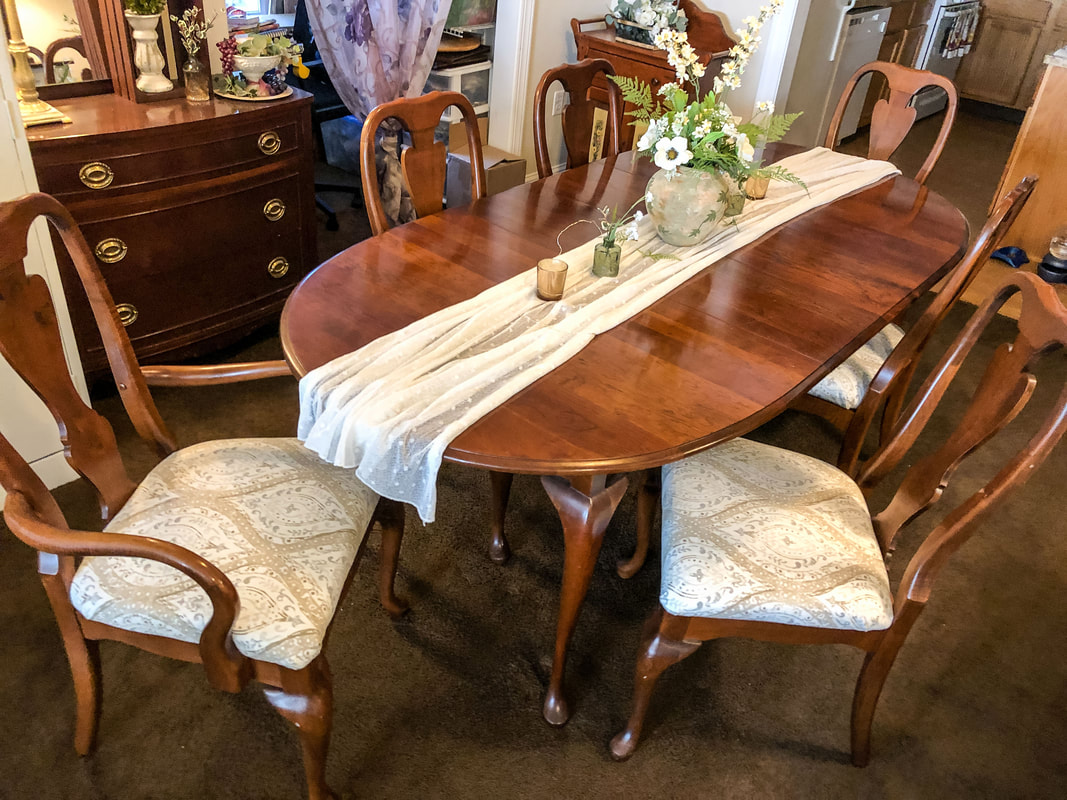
[(197, 81), (606, 260)]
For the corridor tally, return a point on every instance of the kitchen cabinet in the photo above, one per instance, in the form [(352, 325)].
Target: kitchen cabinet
[(1038, 150), (1005, 63), (201, 216)]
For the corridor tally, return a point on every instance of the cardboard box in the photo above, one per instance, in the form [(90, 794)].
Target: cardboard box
[(502, 170)]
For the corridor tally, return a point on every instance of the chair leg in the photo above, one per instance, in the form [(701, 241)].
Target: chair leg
[(499, 552), (648, 494), (869, 687), (310, 709), (391, 517), (84, 658), (658, 651)]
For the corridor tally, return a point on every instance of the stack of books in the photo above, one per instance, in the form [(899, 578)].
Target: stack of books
[(251, 24)]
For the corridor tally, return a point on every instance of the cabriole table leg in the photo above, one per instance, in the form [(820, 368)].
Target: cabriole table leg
[(585, 507)]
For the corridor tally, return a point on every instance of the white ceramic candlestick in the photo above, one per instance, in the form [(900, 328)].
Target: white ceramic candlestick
[(146, 54)]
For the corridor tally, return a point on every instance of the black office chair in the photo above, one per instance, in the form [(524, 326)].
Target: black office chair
[(326, 105)]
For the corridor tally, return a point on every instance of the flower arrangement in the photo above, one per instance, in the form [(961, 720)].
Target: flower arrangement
[(193, 32), (613, 226), (649, 13), (144, 8), (704, 133)]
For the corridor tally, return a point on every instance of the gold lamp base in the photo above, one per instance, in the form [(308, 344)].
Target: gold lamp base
[(40, 113)]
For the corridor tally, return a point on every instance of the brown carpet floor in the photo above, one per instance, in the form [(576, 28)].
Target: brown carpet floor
[(446, 703)]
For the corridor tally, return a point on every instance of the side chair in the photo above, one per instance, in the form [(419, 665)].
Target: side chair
[(577, 120), (423, 166), (876, 377), (423, 163), (234, 554), (768, 544), (892, 117)]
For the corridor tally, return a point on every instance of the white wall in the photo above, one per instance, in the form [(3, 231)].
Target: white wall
[(24, 420)]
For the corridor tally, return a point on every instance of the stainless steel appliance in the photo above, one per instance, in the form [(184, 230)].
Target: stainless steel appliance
[(942, 49)]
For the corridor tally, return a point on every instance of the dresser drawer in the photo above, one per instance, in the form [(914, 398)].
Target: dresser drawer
[(177, 272), (114, 165)]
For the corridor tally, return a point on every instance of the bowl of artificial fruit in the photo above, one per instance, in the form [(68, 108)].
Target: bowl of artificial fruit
[(255, 67)]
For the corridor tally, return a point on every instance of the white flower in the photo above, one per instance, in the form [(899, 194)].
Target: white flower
[(678, 125), (630, 232), (656, 129), (646, 16), (745, 151), (672, 153), (766, 107), (638, 216), (667, 87)]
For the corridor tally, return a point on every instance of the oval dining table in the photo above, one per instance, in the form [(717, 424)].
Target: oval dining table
[(714, 359)]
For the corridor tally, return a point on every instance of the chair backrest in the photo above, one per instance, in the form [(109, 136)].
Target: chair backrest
[(577, 119), (423, 164), (75, 43), (892, 117), (30, 342), (1004, 390)]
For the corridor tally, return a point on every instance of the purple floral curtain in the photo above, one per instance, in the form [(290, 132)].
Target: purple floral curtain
[(376, 51)]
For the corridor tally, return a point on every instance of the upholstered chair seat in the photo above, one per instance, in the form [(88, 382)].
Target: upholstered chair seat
[(847, 385), (282, 525), (754, 532)]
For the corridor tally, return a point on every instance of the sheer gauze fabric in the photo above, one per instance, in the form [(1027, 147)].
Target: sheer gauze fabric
[(376, 51), (391, 408)]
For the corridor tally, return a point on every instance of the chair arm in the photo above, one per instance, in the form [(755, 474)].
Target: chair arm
[(226, 668), (214, 374)]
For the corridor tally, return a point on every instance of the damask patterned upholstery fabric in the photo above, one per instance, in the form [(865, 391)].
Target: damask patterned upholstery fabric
[(847, 384), (283, 526), (754, 532)]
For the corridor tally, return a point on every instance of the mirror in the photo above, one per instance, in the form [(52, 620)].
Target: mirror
[(64, 41)]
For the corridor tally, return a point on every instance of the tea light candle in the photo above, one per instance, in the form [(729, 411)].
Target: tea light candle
[(551, 276), (756, 187)]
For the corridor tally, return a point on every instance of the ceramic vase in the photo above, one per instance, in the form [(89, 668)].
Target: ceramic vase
[(606, 260), (197, 81), (146, 54), (687, 204)]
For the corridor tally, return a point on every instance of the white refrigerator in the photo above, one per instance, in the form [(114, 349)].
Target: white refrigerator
[(839, 37)]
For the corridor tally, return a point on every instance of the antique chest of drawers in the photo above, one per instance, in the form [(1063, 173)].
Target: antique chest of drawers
[(201, 216)]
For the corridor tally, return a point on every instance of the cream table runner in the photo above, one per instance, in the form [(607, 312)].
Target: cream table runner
[(391, 408)]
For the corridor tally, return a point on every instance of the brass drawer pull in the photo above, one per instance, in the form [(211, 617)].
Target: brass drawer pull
[(274, 209), (110, 251), (96, 175), (127, 314), (270, 143), (277, 267)]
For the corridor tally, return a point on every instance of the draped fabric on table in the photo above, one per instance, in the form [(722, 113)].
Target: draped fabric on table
[(376, 51), (391, 408)]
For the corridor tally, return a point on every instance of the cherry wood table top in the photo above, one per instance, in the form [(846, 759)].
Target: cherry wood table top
[(714, 359)]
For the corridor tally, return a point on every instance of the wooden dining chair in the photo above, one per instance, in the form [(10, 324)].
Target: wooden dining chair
[(892, 117), (874, 379), (577, 120), (768, 544), (423, 163), (234, 553), (75, 43)]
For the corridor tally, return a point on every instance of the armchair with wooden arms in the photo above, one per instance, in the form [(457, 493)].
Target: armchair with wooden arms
[(195, 562)]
